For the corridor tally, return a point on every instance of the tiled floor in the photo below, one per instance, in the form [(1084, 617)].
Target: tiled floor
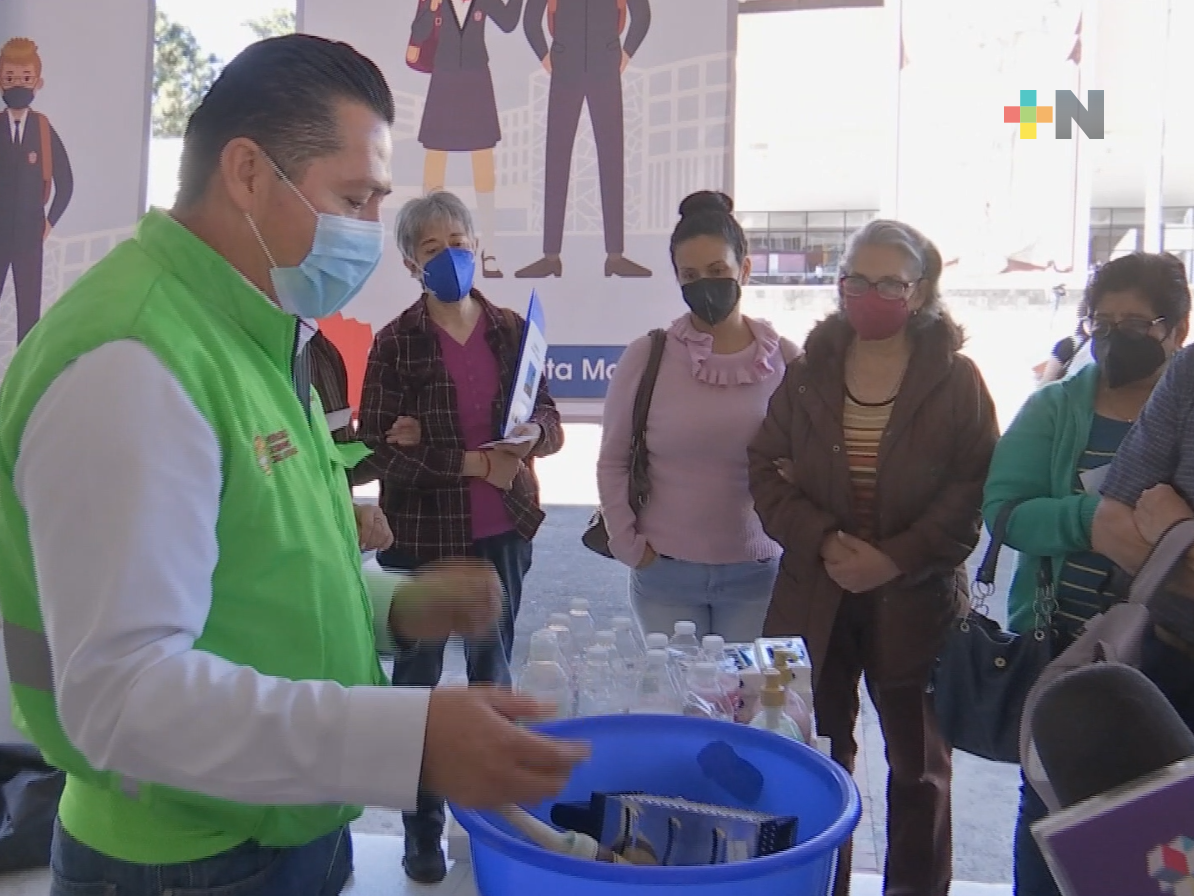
[(379, 873)]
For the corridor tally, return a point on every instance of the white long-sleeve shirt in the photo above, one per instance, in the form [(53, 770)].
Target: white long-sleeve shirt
[(120, 478)]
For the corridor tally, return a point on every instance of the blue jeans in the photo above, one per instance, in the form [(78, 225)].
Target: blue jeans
[(419, 664), (1031, 873), (321, 868), (727, 599)]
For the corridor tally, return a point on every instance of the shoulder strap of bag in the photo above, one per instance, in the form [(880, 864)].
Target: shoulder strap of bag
[(1162, 561), (646, 386), (986, 570), (984, 579), (639, 484), (47, 155)]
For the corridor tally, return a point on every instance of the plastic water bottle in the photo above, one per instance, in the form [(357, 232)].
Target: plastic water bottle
[(685, 648), (596, 696), (580, 622), (656, 693), (630, 649), (713, 648), (543, 677), (657, 641), (704, 682)]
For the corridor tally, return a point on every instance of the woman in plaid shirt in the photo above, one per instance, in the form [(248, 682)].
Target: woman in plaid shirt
[(443, 371)]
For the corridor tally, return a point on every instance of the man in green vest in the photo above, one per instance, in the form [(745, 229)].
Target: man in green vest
[(187, 626)]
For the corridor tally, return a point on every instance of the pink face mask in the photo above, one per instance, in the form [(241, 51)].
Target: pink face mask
[(874, 317)]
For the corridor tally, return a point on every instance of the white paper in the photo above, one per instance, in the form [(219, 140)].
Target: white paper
[(532, 360), (512, 440)]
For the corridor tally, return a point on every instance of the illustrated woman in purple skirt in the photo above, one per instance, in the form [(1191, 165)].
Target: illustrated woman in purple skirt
[(447, 39)]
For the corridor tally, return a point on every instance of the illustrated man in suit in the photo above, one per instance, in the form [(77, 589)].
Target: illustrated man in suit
[(34, 171), (585, 59)]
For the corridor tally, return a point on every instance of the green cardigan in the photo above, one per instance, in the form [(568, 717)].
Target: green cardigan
[(1036, 461)]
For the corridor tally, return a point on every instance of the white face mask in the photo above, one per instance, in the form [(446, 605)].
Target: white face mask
[(344, 253)]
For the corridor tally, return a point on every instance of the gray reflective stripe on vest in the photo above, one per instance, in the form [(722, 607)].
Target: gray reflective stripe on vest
[(28, 656)]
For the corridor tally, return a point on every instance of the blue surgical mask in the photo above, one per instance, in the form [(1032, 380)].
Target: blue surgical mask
[(449, 275), (344, 252)]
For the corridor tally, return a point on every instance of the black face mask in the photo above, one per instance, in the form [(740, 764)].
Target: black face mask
[(18, 97), (1127, 357), (712, 298)]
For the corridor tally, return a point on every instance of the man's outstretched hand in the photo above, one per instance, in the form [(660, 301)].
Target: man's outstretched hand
[(477, 757), (449, 597)]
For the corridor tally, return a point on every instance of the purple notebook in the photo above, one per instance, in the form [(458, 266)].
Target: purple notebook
[(1137, 841)]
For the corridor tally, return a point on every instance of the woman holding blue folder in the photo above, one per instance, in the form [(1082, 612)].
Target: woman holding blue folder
[(444, 370)]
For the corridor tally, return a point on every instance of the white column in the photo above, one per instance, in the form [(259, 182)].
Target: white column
[(1086, 153), (1154, 139), (889, 152)]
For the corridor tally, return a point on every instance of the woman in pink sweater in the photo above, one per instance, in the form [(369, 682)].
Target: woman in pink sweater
[(697, 550)]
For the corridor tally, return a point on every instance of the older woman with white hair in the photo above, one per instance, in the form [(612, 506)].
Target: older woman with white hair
[(436, 390), (869, 472)]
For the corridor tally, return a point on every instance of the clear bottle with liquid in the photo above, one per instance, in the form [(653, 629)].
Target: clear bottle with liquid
[(773, 717), (704, 682), (580, 623), (656, 692), (596, 695), (685, 648), (558, 624), (626, 638), (543, 677)]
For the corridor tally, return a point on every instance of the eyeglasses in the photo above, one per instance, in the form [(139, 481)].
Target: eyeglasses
[(1101, 327), (889, 288)]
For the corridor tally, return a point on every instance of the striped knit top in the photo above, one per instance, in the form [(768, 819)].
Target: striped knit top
[(864, 424)]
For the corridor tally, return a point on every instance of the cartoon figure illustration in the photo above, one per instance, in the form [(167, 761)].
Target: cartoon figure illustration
[(586, 59), (34, 169), (447, 40)]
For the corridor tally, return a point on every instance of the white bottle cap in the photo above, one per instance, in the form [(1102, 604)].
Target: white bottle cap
[(713, 644), (705, 668), (685, 628), (622, 623), (657, 640), (596, 654), (558, 619), (657, 657), (606, 638), (579, 604), (544, 646)]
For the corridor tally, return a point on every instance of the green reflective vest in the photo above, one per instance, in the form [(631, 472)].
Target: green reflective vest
[(288, 596)]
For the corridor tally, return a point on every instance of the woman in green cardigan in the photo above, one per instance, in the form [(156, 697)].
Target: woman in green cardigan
[(1050, 459)]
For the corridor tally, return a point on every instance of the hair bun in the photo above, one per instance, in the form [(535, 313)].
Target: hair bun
[(706, 201)]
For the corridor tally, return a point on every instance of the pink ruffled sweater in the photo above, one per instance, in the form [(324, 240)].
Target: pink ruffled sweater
[(705, 411)]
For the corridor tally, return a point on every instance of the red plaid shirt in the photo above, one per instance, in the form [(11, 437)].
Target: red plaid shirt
[(422, 492)]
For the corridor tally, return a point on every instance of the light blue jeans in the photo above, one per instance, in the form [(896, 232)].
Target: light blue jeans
[(727, 599)]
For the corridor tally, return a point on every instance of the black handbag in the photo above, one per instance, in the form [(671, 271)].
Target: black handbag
[(596, 535), (983, 674), (29, 792)]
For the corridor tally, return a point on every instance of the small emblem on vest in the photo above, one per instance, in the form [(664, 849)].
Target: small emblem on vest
[(279, 446), (273, 449), (33, 158), (262, 452)]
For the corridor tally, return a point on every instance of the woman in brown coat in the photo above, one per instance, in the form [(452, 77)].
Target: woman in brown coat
[(869, 472)]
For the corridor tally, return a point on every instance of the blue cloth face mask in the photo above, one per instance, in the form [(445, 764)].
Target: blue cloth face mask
[(344, 253), (449, 274)]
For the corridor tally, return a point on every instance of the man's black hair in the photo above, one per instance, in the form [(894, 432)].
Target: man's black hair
[(281, 93)]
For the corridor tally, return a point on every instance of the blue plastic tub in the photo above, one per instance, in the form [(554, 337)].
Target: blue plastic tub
[(659, 754)]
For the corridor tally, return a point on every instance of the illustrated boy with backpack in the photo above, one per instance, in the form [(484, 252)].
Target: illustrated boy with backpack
[(35, 173)]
